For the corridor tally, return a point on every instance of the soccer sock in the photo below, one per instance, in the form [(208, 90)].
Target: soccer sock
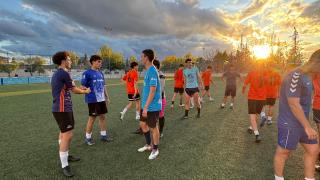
[(250, 127), (269, 118), (308, 178), (199, 110), (59, 141), (88, 135), (172, 102), (256, 132), (103, 133), (262, 114), (148, 138), (223, 104), (64, 158), (231, 104), (186, 112), (278, 178), (180, 101), (161, 124), (124, 110), (137, 113), (155, 147)]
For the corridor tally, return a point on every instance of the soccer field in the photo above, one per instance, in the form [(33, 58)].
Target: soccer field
[(216, 146)]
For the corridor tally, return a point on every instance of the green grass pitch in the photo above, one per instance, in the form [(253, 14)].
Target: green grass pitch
[(216, 146)]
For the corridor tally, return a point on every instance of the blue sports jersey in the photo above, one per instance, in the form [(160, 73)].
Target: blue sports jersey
[(61, 85), (191, 77), (95, 81), (295, 84), (151, 79)]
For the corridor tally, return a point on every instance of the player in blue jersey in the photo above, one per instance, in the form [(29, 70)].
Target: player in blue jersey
[(93, 78), (293, 125), (193, 82), (62, 85), (151, 104)]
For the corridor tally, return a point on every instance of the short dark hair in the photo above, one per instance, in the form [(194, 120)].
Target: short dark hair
[(60, 56), (94, 58), (209, 67), (315, 57), (181, 65), (149, 53), (133, 64), (188, 60), (156, 63)]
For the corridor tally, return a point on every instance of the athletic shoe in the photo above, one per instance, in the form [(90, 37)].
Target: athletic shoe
[(106, 138), (121, 116), (250, 131), (269, 122), (222, 106), (172, 106), (263, 121), (154, 154), (211, 99), (258, 138), (185, 117), (73, 158), (181, 105), (161, 135), (67, 171), (317, 167), (192, 106), (145, 148), (138, 117), (89, 141), (231, 107)]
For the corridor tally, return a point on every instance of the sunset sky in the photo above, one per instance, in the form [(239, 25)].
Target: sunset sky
[(168, 26)]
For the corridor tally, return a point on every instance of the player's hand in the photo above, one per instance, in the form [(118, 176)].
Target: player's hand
[(87, 90), (144, 113), (311, 133)]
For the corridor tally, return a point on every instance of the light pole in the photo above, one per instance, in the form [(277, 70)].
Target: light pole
[(108, 29)]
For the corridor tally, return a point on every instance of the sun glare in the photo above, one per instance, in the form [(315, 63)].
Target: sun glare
[(261, 51)]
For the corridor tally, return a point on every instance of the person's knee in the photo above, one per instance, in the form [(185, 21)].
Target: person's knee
[(67, 135), (282, 153), (312, 150)]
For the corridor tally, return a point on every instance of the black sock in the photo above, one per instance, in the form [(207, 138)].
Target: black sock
[(155, 147), (161, 124), (186, 112), (148, 138), (199, 109), (172, 102), (180, 101)]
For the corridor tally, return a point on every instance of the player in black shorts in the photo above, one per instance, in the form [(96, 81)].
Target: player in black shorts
[(97, 100), (61, 85), (231, 85)]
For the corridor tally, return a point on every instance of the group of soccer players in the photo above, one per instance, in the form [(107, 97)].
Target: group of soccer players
[(192, 86)]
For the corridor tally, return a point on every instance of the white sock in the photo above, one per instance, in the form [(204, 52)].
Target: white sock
[(88, 135), (262, 114), (64, 158), (278, 178), (137, 113), (270, 118), (308, 178), (250, 127), (231, 104), (223, 104), (124, 110), (103, 133), (59, 141), (256, 132)]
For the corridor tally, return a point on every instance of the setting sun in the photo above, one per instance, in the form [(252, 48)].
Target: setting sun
[(261, 51)]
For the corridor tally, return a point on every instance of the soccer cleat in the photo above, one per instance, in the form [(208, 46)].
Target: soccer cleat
[(138, 117), (211, 99), (269, 122), (231, 107), (181, 105), (121, 116), (185, 117), (222, 106), (250, 131), (73, 158), (67, 171), (89, 141), (172, 106), (317, 167), (154, 154), (145, 148), (258, 139), (263, 121), (161, 135), (106, 138)]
